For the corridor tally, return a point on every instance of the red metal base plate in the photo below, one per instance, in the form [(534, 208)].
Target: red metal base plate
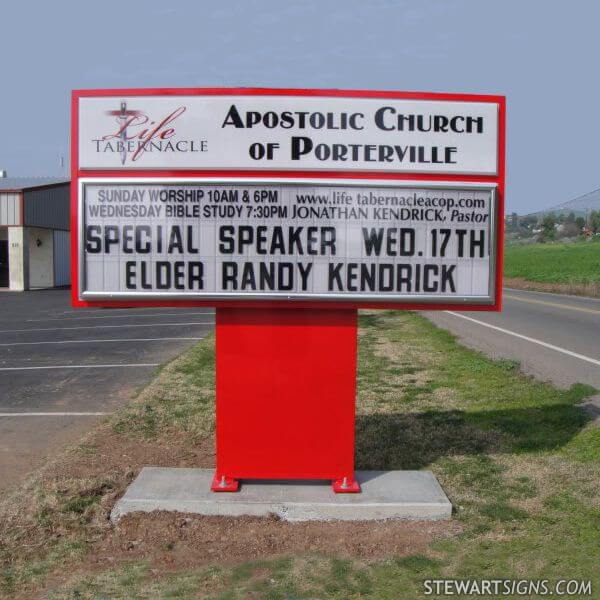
[(346, 485), (224, 484)]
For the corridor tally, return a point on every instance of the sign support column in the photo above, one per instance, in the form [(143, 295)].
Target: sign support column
[(286, 391)]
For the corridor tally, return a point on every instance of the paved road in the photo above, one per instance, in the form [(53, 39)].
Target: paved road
[(555, 338), (63, 361)]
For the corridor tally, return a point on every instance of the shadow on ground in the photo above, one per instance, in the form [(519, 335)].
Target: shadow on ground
[(415, 440)]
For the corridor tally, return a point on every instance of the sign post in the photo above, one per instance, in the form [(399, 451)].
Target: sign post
[(288, 210), (285, 396)]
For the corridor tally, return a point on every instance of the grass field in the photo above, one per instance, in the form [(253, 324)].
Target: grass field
[(518, 459), (577, 263)]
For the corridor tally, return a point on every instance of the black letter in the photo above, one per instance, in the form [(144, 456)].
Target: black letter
[(334, 273), (233, 118), (226, 245), (448, 277), (373, 240), (142, 249), (130, 275), (379, 117), (300, 146), (163, 268), (229, 273), (196, 275), (95, 239), (110, 239)]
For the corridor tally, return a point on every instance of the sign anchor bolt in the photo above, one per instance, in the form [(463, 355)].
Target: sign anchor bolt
[(224, 484), (346, 485)]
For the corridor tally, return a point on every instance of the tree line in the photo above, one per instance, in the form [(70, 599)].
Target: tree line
[(551, 226)]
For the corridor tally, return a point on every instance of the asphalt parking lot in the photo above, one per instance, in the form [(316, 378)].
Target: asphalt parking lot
[(63, 369)]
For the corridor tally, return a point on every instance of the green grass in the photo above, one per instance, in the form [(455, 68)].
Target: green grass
[(182, 401), (554, 263), (517, 457)]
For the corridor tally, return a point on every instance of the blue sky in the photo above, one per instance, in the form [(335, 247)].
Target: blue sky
[(543, 55)]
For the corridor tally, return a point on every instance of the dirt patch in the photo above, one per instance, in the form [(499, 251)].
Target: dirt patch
[(107, 462), (591, 290), (105, 450), (175, 541), (170, 542)]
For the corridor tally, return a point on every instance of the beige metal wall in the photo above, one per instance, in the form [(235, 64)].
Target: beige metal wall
[(10, 208), (41, 257), (18, 243)]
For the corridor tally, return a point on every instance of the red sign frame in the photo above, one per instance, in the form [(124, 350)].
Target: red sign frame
[(498, 180)]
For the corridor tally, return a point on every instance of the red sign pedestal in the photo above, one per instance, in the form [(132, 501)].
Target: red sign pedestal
[(286, 387)]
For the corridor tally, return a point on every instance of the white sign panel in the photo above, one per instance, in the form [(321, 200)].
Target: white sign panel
[(277, 239), (288, 133)]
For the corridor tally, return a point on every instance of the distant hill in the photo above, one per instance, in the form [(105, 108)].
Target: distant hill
[(579, 205)]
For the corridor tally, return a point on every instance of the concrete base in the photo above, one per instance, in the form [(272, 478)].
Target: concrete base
[(413, 495)]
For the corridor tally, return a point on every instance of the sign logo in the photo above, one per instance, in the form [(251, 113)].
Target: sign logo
[(138, 133), (124, 121)]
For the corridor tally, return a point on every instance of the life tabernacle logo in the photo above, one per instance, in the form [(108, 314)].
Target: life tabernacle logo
[(138, 133)]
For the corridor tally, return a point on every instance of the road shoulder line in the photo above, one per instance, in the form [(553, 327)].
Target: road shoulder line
[(559, 305), (526, 338)]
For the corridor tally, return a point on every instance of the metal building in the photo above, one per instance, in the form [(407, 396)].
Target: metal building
[(34, 233)]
